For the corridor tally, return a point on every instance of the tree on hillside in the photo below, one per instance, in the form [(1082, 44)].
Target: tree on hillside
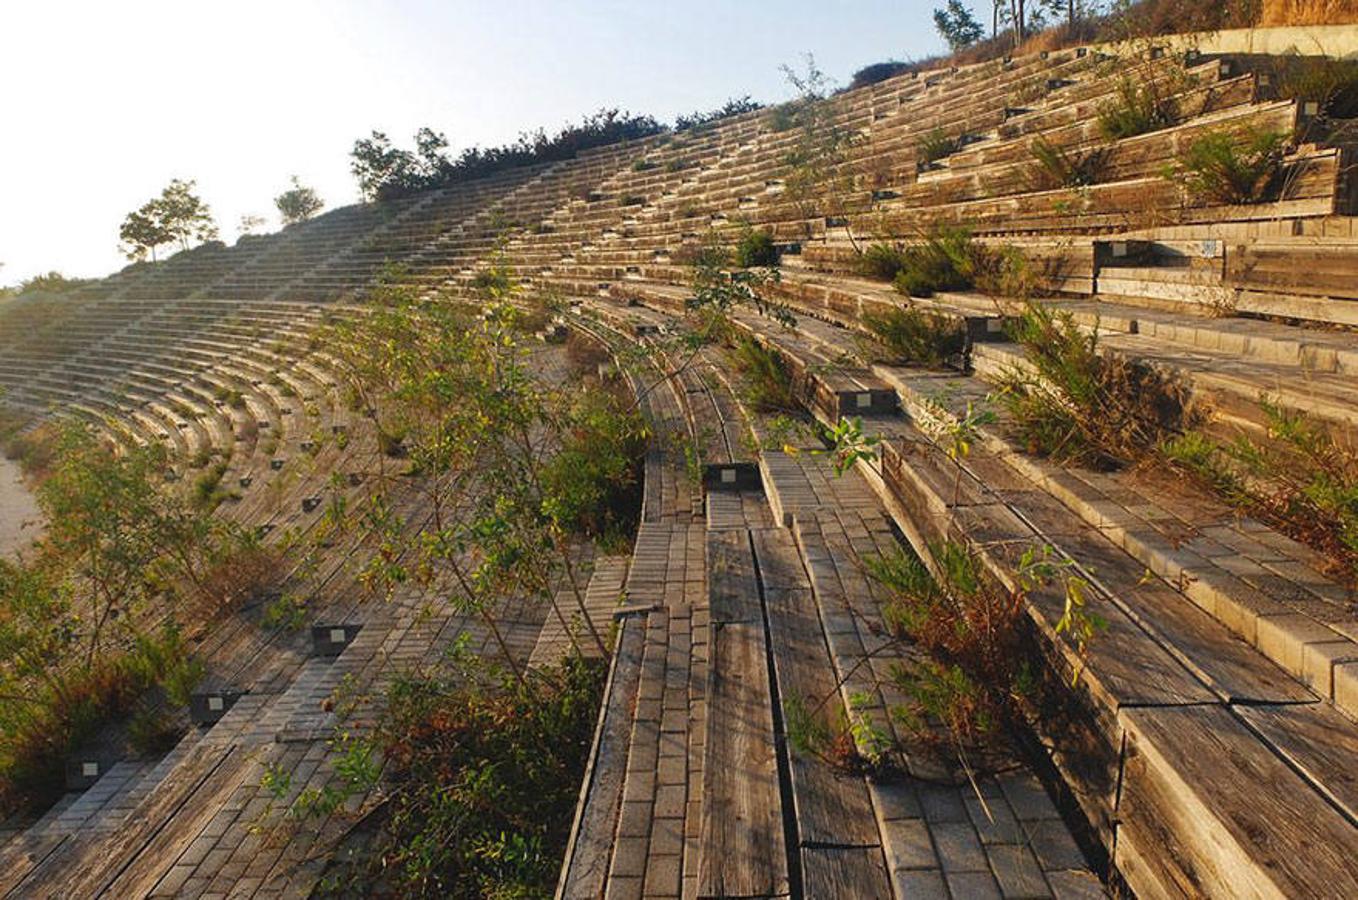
[(142, 232), (178, 215), (50, 283), (957, 25), (298, 203), (383, 170), (184, 214)]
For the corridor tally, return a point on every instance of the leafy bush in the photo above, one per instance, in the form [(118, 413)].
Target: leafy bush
[(914, 336), (756, 248), (1055, 167), (733, 107), (385, 172), (768, 380), (592, 483), (947, 259), (1224, 168), (968, 625), (935, 145), (644, 165), (66, 709), (878, 72), (206, 489), (941, 262), (1136, 108), (1301, 480), (976, 677), (1079, 405), (783, 118), (482, 779), (35, 451), (882, 261)]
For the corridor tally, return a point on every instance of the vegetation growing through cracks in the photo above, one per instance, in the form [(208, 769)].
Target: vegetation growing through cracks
[(1138, 106), (92, 623), (471, 773), (947, 258), (1058, 167), (512, 472), (966, 676), (1223, 167), (915, 336), (818, 181), (1076, 404), (466, 782), (1301, 479)]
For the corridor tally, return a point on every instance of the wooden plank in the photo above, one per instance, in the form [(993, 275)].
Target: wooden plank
[(733, 591), (1316, 739), (858, 872), (1247, 825), (742, 851), (831, 808), (159, 829), (1209, 649), (587, 866)]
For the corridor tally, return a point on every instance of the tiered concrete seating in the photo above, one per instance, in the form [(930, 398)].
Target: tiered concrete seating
[(1209, 731), (689, 790), (301, 247)]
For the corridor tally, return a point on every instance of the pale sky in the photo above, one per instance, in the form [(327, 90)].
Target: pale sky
[(102, 102)]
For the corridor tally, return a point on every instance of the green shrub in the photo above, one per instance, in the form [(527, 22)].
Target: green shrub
[(592, 483), (968, 624), (914, 336), (977, 675), (941, 262), (768, 379), (783, 118), (878, 72), (947, 259), (1078, 405), (206, 488), (1055, 167), (1137, 108), (935, 145), (644, 165), (881, 261), (286, 612), (756, 248), (482, 778), (1223, 168), (1300, 480), (702, 121)]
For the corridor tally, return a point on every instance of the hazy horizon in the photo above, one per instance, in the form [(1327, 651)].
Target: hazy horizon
[(122, 98)]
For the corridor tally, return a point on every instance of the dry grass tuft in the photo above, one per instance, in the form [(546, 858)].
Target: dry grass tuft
[(1308, 12)]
